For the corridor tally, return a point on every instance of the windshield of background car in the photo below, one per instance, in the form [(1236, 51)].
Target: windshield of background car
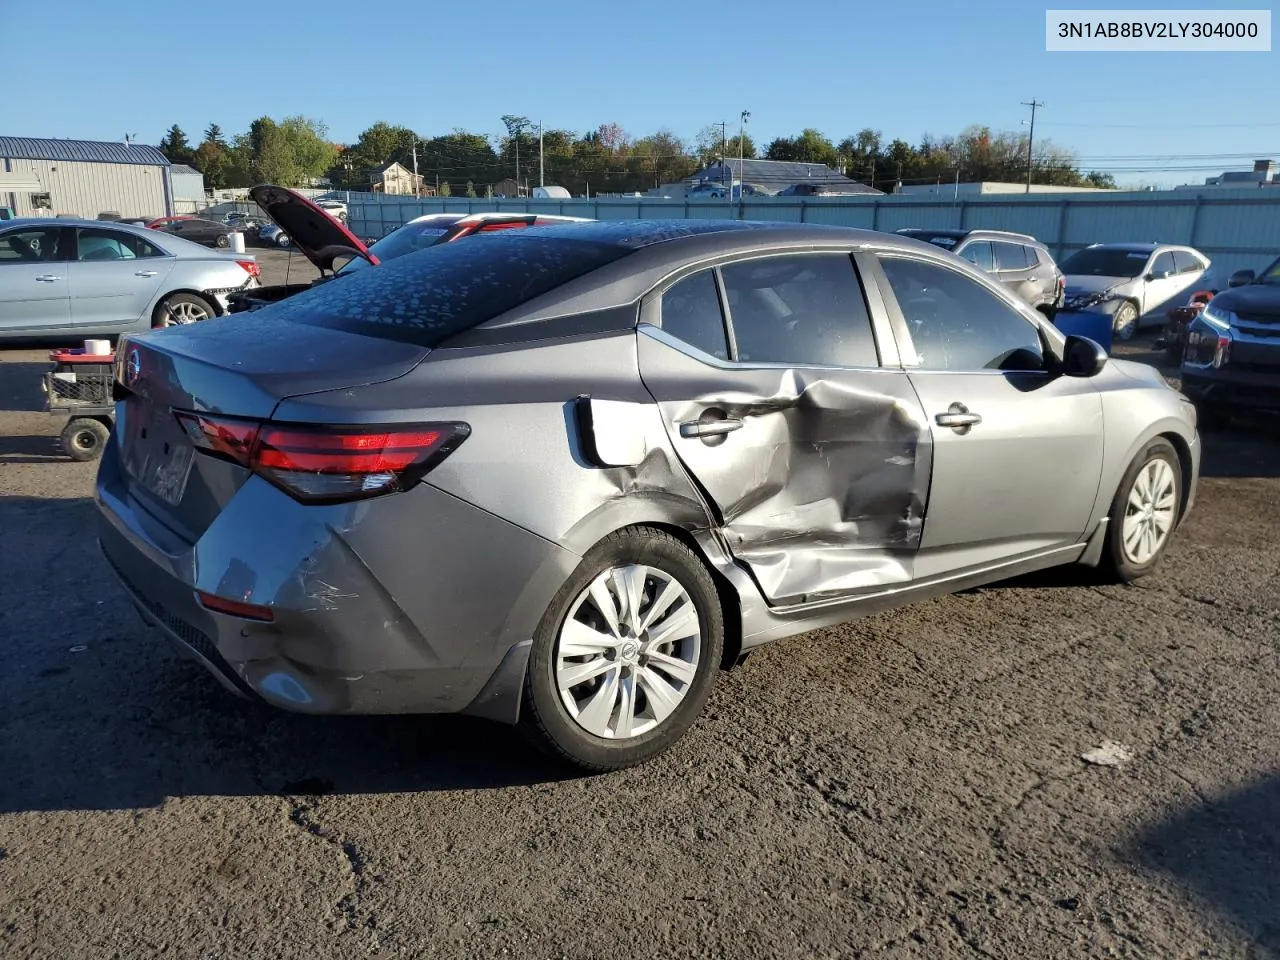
[(1271, 274), (1105, 262), (427, 296), (407, 239)]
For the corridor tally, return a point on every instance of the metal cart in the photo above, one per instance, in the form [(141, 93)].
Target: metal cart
[(79, 387)]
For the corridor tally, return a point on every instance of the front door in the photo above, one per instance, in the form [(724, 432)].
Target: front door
[(813, 455), (1161, 290), (33, 279), (114, 277), (1017, 450)]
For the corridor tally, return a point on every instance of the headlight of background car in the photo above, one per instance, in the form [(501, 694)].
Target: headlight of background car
[(1217, 318)]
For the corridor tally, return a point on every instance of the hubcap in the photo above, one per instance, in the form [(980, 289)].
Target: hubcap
[(628, 652), (1149, 512), (1126, 323), (186, 312)]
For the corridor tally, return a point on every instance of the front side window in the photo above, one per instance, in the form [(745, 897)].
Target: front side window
[(979, 254), (691, 313), (957, 324), (34, 245), (94, 245), (806, 308), (1163, 267)]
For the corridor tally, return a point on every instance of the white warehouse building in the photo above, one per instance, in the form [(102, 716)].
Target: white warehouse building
[(83, 178)]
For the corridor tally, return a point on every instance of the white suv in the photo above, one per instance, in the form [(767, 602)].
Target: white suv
[(335, 208)]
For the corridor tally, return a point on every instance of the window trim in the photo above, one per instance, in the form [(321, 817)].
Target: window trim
[(66, 241), (883, 336), (1051, 339)]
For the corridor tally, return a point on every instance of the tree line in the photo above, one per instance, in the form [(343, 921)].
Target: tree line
[(296, 151)]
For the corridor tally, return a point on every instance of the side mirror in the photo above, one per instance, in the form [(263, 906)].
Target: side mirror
[(1240, 278), (1082, 357)]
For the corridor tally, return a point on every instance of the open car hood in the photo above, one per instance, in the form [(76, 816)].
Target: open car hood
[(319, 236)]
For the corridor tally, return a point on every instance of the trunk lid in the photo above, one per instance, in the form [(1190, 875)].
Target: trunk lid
[(319, 236), (238, 366)]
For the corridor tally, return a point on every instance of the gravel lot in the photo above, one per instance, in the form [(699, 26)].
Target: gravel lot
[(908, 785)]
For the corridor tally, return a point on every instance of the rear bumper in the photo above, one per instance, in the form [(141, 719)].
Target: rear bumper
[(425, 605), (1241, 389)]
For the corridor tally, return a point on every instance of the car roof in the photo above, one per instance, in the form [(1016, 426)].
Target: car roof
[(964, 234), (1136, 247)]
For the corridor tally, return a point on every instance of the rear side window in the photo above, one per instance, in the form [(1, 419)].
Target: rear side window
[(428, 296), (1010, 256), (1032, 255), (691, 313), (806, 308), (1187, 262)]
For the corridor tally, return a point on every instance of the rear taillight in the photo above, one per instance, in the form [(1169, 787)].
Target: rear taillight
[(324, 464), (251, 267)]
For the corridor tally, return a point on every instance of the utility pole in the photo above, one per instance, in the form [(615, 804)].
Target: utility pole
[(724, 149), (542, 170), (1031, 136), (742, 141), (416, 195)]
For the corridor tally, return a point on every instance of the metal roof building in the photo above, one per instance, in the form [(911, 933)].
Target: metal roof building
[(83, 178)]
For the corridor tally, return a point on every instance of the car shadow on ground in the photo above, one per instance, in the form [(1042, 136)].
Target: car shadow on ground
[(32, 449), (1225, 851)]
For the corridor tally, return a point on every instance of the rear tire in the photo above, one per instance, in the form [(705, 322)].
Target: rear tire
[(644, 683), (1144, 512), (223, 240), (83, 438), (179, 309)]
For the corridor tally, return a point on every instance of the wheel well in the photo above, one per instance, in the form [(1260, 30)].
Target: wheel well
[(730, 611), (1184, 463), (212, 303)]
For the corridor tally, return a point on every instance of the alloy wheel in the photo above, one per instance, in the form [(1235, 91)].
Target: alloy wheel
[(628, 651), (184, 312), (1149, 511)]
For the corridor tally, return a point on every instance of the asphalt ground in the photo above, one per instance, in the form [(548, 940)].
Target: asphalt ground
[(909, 785)]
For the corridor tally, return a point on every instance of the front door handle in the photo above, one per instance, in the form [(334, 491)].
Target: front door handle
[(709, 428), (958, 417), (47, 278), (145, 273)]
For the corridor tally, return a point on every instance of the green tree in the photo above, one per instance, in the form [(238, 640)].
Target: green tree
[(213, 134), (445, 190), (272, 161), (381, 144), (471, 189), (175, 147), (307, 143), (1095, 178)]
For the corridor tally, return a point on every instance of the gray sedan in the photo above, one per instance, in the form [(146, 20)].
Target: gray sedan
[(86, 278), (559, 477)]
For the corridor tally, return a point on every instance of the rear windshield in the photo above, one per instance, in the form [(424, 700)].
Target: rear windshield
[(406, 239), (428, 296)]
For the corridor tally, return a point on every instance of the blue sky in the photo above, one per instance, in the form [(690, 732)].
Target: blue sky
[(101, 69)]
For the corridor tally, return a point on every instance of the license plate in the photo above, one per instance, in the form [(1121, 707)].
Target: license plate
[(160, 458)]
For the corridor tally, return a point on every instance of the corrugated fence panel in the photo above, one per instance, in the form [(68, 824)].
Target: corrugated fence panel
[(1237, 228)]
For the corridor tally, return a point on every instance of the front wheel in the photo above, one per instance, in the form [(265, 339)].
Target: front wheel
[(1144, 512), (179, 309), (223, 240), (1125, 324), (83, 438), (625, 657)]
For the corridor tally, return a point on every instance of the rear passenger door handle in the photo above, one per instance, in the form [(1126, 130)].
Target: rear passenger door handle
[(709, 428), (47, 278), (958, 417), (145, 273)]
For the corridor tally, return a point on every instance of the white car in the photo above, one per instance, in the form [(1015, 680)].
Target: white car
[(335, 208), (1133, 282)]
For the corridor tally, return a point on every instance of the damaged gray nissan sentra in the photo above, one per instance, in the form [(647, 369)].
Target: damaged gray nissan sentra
[(561, 477)]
